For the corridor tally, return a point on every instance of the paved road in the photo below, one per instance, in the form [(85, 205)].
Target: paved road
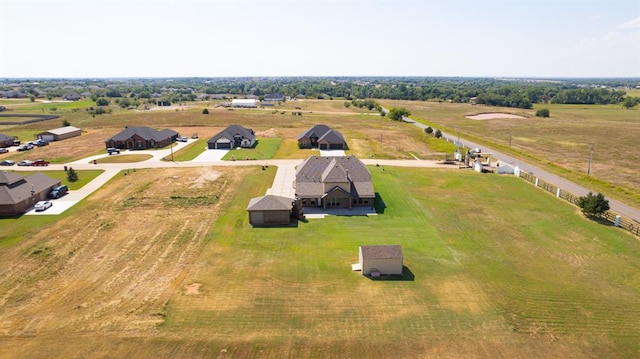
[(616, 206)]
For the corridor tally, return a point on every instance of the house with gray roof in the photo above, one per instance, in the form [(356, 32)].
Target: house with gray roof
[(141, 138), (270, 210), (322, 137), (18, 193), (6, 140), (232, 137), (334, 182)]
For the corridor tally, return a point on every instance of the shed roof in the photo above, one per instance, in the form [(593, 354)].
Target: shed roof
[(270, 203), (62, 130), (381, 252)]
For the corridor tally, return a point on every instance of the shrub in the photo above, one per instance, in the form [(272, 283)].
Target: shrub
[(543, 112), (428, 130), (205, 112), (593, 205), (438, 134), (72, 175)]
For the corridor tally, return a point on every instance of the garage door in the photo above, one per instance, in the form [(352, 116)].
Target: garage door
[(48, 138), (322, 146), (223, 145), (335, 146)]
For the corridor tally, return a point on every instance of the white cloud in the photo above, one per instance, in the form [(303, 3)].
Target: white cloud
[(631, 24)]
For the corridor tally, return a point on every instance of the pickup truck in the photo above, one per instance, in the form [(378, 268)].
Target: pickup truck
[(40, 163), (112, 150), (26, 147)]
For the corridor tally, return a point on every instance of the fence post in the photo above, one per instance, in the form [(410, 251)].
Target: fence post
[(558, 192), (617, 221), (537, 180)]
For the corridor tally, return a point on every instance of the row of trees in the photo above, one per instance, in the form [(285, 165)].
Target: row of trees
[(498, 92)]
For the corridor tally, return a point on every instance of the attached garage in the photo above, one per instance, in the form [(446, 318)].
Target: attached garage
[(270, 210), (220, 144), (381, 260)]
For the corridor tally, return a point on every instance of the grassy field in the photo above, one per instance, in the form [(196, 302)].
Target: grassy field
[(559, 144), (488, 276)]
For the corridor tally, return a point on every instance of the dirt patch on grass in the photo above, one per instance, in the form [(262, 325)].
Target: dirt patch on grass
[(193, 289), (461, 295), (493, 115)]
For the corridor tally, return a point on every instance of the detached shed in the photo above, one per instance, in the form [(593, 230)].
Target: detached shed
[(60, 134), (270, 210), (381, 260)]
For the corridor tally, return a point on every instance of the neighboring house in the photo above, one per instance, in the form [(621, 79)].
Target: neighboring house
[(244, 102), (71, 97), (232, 137), (322, 137), (6, 141), (12, 94), (19, 193), (334, 182), (141, 138), (380, 260), (274, 97), (270, 210), (59, 134)]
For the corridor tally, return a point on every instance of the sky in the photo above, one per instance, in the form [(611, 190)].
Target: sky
[(228, 38)]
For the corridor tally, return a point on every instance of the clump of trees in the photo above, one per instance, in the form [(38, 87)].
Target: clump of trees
[(593, 205), (630, 102), (398, 113), (543, 112)]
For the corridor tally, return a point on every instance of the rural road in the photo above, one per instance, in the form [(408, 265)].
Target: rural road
[(616, 206)]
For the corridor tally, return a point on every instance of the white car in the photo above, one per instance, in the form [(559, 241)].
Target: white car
[(25, 163), (43, 205)]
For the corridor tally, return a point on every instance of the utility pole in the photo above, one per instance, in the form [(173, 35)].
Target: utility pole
[(509, 138), (591, 146)]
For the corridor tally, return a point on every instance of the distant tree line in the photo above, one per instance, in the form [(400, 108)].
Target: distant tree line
[(520, 93)]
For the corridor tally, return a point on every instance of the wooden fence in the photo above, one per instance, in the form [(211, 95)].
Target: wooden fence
[(619, 221)]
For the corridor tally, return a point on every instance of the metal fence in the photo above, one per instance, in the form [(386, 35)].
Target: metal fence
[(619, 221)]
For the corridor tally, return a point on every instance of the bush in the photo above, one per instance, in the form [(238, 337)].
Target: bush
[(428, 130), (438, 134), (593, 205), (205, 112), (543, 112), (72, 175)]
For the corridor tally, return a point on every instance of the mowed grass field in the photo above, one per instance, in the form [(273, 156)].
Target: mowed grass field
[(495, 268), (559, 144)]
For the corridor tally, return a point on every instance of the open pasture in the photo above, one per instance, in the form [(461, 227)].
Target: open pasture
[(560, 143), (489, 274)]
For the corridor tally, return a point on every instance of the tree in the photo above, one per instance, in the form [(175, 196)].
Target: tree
[(102, 102), (205, 112), (630, 102), (347, 104), (428, 130), (66, 123), (543, 112), (397, 114), (593, 205), (438, 134), (72, 175)]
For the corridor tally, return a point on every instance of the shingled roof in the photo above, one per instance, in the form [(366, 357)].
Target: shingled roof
[(317, 170), (232, 131), (323, 132), (15, 188), (147, 133), (381, 252), (270, 203)]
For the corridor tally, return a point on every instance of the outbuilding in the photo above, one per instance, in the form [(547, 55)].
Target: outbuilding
[(270, 210), (244, 102), (380, 260), (59, 134)]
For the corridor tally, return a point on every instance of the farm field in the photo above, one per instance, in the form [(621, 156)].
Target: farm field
[(559, 144), (488, 274)]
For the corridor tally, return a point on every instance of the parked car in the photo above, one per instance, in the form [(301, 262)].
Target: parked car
[(7, 163), (40, 163), (43, 205), (58, 191), (40, 142), (16, 142), (26, 147), (3, 150), (112, 150), (25, 163), (182, 139)]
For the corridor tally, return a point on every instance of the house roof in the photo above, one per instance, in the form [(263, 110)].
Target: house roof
[(270, 203), (316, 170), (145, 132), (62, 130), (381, 252), (274, 96), (4, 137), (15, 188), (323, 132), (232, 131)]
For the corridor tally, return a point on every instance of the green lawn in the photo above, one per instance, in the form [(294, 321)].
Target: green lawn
[(263, 150), (84, 177), (493, 264)]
